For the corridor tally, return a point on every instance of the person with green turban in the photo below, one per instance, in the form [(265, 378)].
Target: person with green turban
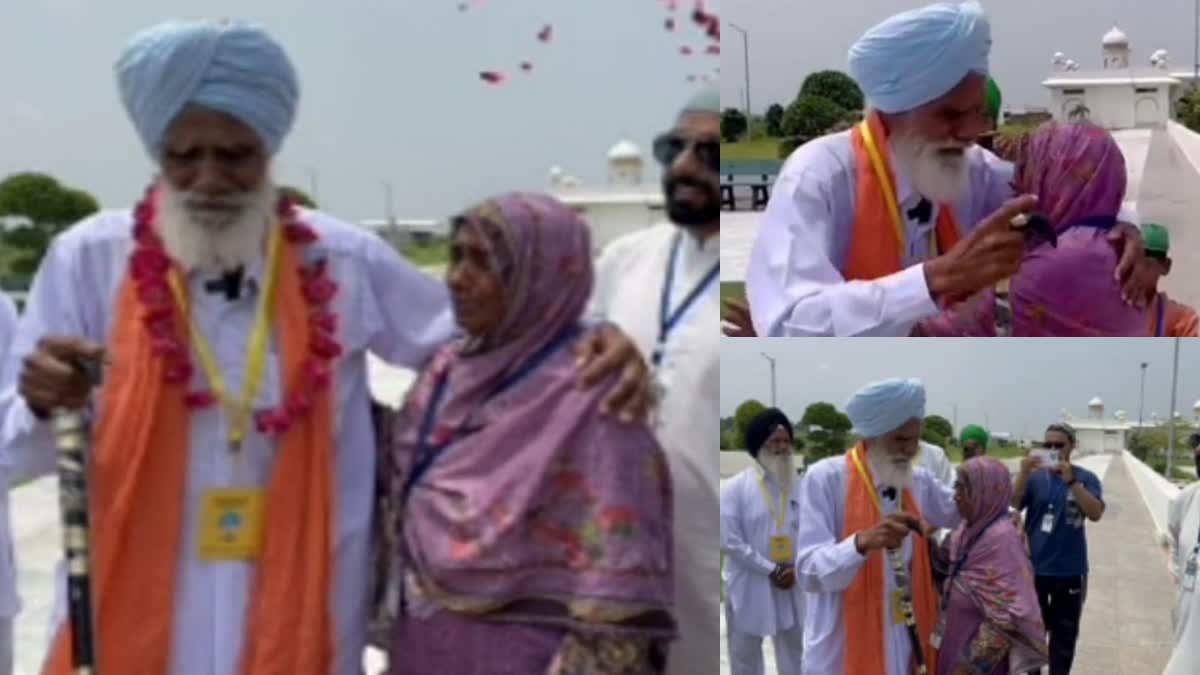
[(991, 112), (1168, 318), (974, 440)]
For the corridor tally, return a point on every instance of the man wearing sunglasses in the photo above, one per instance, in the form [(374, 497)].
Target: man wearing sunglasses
[(1056, 500), (660, 286), (872, 230), (1167, 317), (1183, 525)]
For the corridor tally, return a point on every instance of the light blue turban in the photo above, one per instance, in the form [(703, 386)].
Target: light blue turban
[(883, 407), (920, 55), (707, 100), (231, 67)]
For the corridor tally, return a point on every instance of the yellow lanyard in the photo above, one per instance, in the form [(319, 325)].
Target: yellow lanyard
[(779, 515), (889, 195), (256, 347), (855, 455)]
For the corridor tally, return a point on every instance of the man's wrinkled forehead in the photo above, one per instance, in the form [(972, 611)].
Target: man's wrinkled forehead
[(699, 125)]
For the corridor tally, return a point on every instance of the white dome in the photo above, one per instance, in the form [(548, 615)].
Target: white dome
[(624, 151), (1115, 38), (1197, 406), (1096, 402)]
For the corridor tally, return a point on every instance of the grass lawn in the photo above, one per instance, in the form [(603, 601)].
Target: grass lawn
[(733, 290), (763, 148), (432, 255)]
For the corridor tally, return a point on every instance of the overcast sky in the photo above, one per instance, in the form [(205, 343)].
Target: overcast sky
[(390, 91), (789, 39), (1020, 385)]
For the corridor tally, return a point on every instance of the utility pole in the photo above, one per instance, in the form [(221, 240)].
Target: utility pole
[(312, 183), (1142, 400), (746, 63), (772, 362), (1171, 414)]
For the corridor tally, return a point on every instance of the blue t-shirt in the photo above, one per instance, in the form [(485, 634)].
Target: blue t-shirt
[(1063, 551)]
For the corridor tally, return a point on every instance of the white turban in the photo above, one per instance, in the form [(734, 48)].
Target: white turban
[(920, 55), (883, 407), (231, 67)]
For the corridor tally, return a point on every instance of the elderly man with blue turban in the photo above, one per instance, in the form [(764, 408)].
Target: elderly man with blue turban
[(871, 230), (857, 506), (232, 466)]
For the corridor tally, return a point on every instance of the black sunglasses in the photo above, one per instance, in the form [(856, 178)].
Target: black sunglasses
[(669, 146), (1054, 446)]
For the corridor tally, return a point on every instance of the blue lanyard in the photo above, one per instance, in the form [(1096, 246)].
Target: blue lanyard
[(1162, 313), (962, 558), (428, 452), (668, 319)]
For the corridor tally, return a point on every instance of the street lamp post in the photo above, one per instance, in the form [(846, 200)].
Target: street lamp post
[(1171, 414), (746, 64), (1196, 52), (1142, 400), (772, 361), (312, 183)]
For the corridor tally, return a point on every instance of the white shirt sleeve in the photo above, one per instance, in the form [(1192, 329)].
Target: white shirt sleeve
[(795, 288), (733, 539), (411, 308), (1175, 511), (937, 507), (824, 564)]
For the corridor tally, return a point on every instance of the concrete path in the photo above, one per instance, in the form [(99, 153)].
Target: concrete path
[(1170, 195), (1127, 619)]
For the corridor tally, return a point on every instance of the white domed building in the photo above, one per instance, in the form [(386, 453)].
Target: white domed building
[(1098, 434), (1124, 93), (625, 203)]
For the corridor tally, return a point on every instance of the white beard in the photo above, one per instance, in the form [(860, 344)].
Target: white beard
[(781, 467), (943, 178), (215, 239), (890, 472)]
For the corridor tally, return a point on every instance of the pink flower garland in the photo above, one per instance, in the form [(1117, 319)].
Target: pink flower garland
[(149, 266)]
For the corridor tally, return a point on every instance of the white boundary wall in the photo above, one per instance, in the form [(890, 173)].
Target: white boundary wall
[(1156, 491)]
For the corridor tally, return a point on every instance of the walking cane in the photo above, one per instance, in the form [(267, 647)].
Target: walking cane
[(70, 435), (904, 586)]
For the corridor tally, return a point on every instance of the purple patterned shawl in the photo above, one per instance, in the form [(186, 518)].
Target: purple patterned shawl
[(1078, 173), (997, 576), (545, 510)]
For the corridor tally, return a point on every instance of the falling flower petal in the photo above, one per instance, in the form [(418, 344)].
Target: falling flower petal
[(546, 33), (713, 49), (669, 24), (685, 50), (492, 77), (526, 66)]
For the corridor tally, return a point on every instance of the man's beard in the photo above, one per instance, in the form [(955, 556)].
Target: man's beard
[(687, 215), (781, 467), (890, 471), (937, 170), (215, 234)]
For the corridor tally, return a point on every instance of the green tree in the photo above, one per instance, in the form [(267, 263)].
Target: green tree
[(297, 195), (47, 206), (746, 412), (937, 427), (826, 416), (774, 118), (733, 124), (807, 118), (1187, 110), (835, 86)]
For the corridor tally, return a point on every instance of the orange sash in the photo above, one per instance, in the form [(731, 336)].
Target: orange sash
[(863, 603), (874, 249), (138, 489)]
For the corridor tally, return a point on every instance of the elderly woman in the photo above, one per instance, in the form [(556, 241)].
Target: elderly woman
[(991, 623), (1067, 285), (535, 534)]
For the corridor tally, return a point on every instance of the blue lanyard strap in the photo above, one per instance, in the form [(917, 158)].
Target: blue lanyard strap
[(1161, 316), (962, 557), (667, 319), (427, 452)]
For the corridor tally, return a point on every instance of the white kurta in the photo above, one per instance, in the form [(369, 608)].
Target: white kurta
[(935, 461), (1183, 524), (10, 602), (384, 305), (747, 525), (827, 563), (629, 281), (794, 280)]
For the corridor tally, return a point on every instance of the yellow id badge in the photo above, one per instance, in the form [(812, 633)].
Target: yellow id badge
[(231, 524), (782, 550), (897, 610)]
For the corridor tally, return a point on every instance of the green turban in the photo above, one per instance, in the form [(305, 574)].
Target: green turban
[(1156, 238), (974, 432), (707, 100), (993, 99)]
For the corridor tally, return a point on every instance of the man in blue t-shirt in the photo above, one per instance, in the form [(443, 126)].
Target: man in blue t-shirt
[(1056, 499)]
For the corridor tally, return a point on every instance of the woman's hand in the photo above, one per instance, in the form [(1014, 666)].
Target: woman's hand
[(606, 351), (1137, 274), (736, 319)]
